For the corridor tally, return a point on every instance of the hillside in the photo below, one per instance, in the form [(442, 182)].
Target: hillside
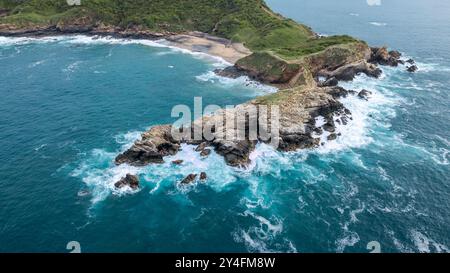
[(248, 21)]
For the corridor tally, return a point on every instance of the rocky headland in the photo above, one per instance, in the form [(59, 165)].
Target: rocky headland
[(305, 67), (301, 99)]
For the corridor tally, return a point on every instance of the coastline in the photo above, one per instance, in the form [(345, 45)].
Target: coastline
[(302, 96), (194, 41), (211, 45)]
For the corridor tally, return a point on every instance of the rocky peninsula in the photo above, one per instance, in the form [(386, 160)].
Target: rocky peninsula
[(268, 48)]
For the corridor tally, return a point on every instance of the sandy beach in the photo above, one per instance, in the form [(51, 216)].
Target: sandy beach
[(202, 42)]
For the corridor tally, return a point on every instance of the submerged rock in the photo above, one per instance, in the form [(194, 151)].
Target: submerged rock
[(177, 162), (332, 137), (203, 176), (201, 147), (364, 94), (412, 68), (205, 152), (129, 180), (189, 179)]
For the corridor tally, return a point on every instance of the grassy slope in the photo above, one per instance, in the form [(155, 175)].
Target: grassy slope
[(247, 21)]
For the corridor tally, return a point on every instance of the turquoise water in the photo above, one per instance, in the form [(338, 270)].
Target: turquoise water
[(71, 104)]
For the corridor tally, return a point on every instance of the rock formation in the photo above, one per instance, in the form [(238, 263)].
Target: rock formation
[(380, 55), (189, 179), (364, 94), (412, 68), (203, 176), (129, 180), (154, 145)]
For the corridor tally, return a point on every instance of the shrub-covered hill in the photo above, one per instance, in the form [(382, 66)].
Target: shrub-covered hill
[(248, 21)]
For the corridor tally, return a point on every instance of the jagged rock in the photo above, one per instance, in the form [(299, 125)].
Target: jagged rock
[(412, 68), (177, 162), (189, 179), (201, 147), (230, 72), (155, 144), (205, 152), (410, 61), (298, 110), (318, 131), (339, 92), (380, 55), (129, 180), (203, 176), (364, 94), (395, 54), (297, 141), (349, 71), (332, 137), (235, 153), (329, 127), (330, 82)]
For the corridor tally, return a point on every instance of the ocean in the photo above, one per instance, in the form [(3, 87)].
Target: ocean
[(71, 104)]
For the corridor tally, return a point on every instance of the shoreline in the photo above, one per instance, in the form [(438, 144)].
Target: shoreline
[(196, 42), (211, 45)]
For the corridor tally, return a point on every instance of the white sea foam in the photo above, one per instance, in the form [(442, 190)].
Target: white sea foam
[(431, 67), (262, 236), (378, 24), (212, 77), (101, 179), (350, 238), (127, 139), (34, 64), (37, 149), (425, 244), (13, 41), (93, 40), (72, 67), (365, 114)]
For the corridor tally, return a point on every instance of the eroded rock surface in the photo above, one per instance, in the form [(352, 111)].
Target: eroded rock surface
[(129, 180), (154, 145)]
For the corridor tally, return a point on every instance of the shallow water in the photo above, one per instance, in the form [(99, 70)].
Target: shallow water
[(71, 104)]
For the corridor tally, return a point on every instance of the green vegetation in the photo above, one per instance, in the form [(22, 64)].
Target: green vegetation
[(247, 21), (267, 66)]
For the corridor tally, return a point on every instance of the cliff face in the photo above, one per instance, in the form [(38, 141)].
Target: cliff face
[(340, 61)]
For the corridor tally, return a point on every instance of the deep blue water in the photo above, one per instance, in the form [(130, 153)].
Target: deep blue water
[(69, 105)]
